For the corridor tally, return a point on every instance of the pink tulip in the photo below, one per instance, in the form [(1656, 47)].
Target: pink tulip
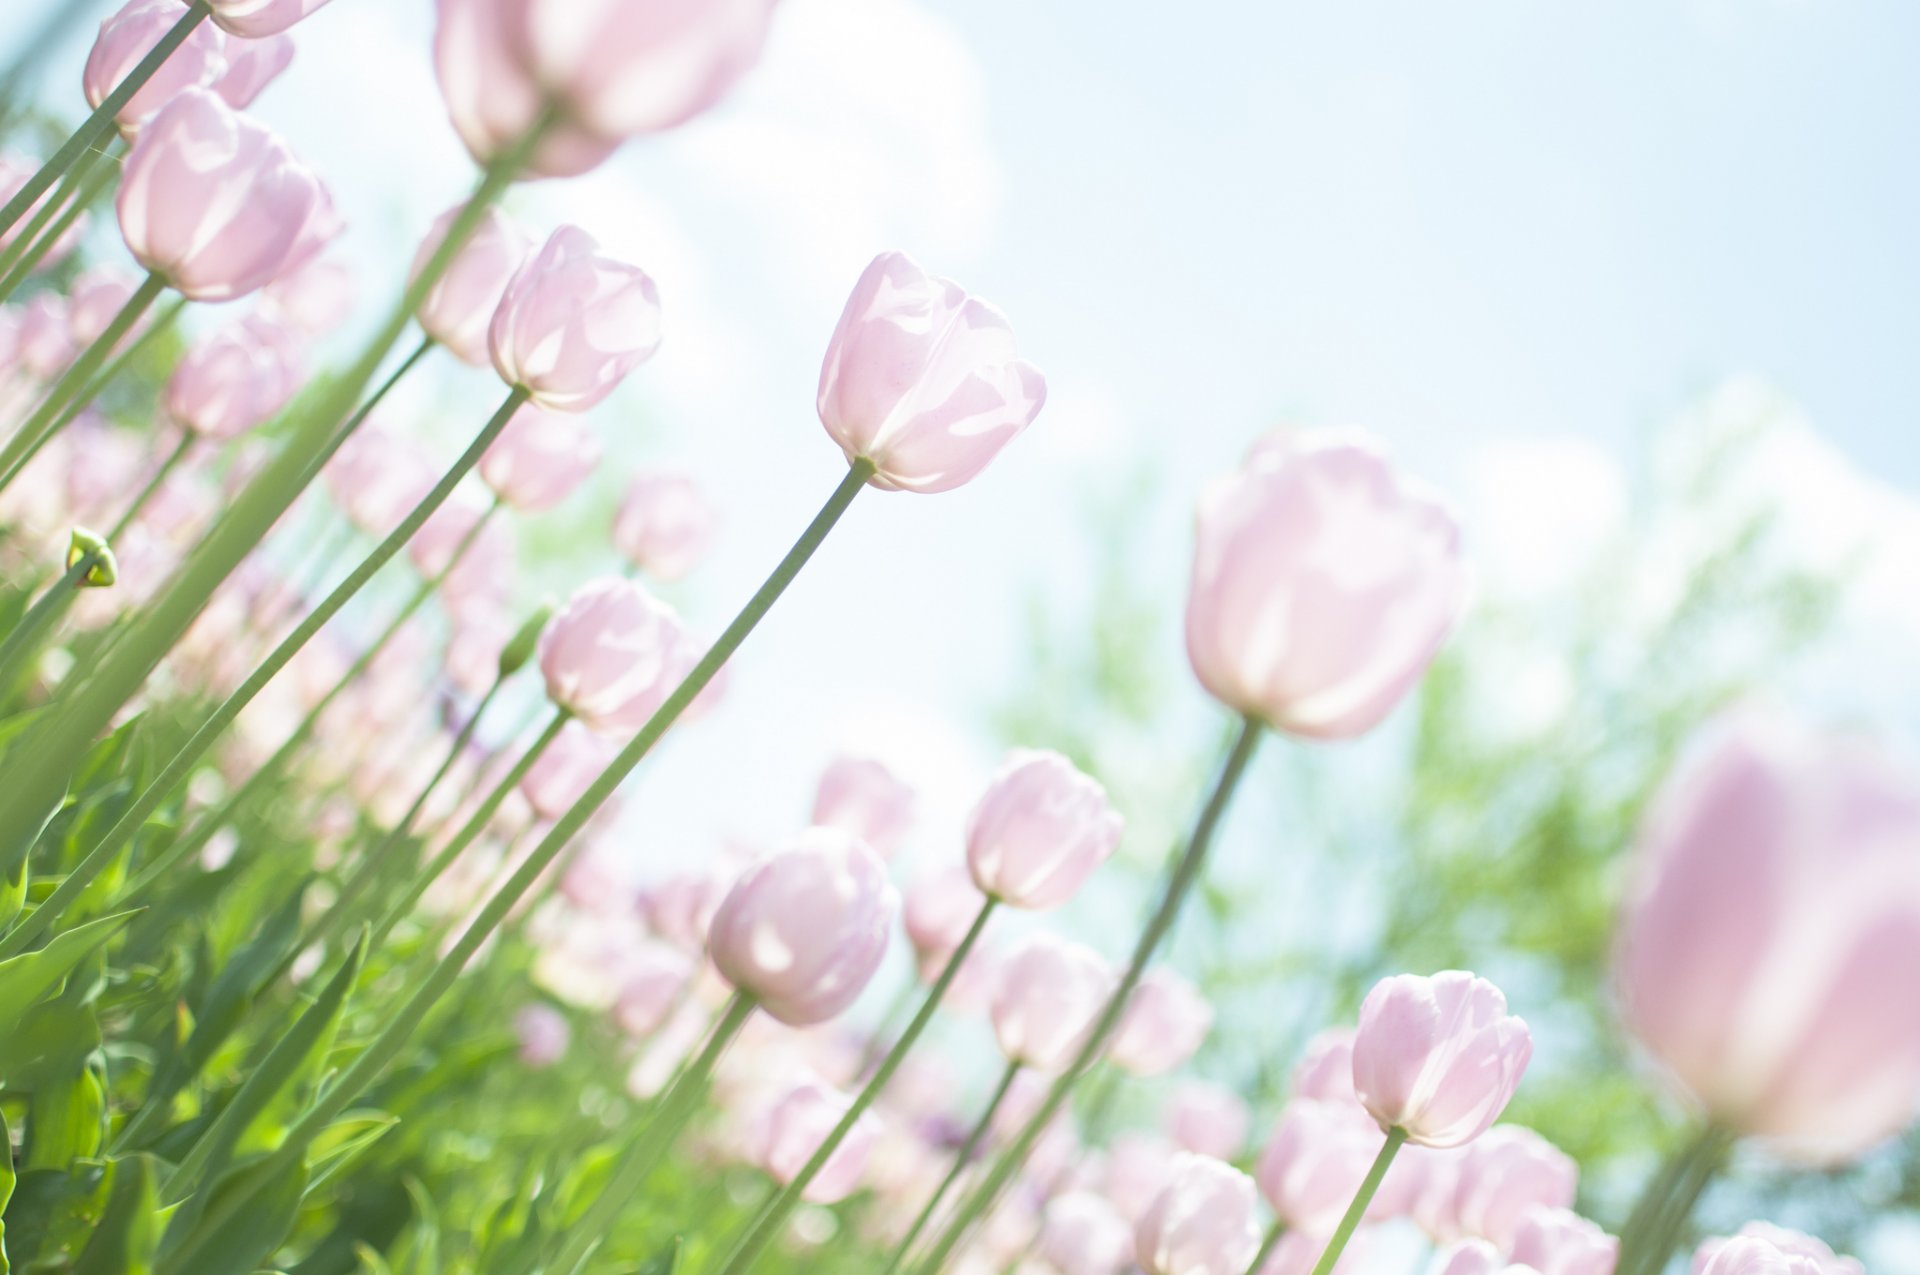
[(921, 378), (257, 19), (124, 41), (1505, 1174), (216, 203), (1467, 1257), (1138, 1165), (315, 299), (544, 1035), (654, 984), (1325, 1069), (665, 524), (540, 458), (1207, 1119), (611, 655), (1426, 1181), (95, 299), (1323, 585), (1438, 1057), (1039, 831), (940, 908), (794, 1129), (1774, 908), (1202, 1223), (1315, 1161), (1085, 1235), (14, 174), (458, 309), (44, 340), (804, 928), (681, 908), (1166, 1022), (235, 380), (1812, 1255), (251, 66), (1557, 1241), (1755, 1255), (482, 576), (564, 771), (492, 99), (1298, 1252), (376, 479), (861, 795), (1051, 992), (574, 323), (473, 649)]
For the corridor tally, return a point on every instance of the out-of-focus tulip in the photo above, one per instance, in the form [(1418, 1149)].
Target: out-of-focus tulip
[(14, 174), (1558, 1241), (216, 203), (1754, 1255), (1039, 831), (315, 299), (1138, 1164), (1166, 1022), (940, 909), (681, 908), (1325, 1069), (1425, 1181), (251, 66), (1314, 1163), (1467, 1257), (922, 379), (1206, 1119), (1298, 1253), (544, 1035), (235, 380), (1794, 1246), (1323, 585), (608, 655), (1085, 1235), (376, 478), (1438, 1057), (1774, 907), (95, 298), (861, 795), (804, 928), (794, 1128), (44, 340), (124, 41), (257, 19), (1051, 991), (1203, 1222), (664, 524), (573, 323), (493, 100), (561, 774), (1505, 1174), (540, 458), (458, 309), (653, 986)]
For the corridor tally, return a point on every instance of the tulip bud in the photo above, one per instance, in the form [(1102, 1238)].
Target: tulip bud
[(921, 378), (539, 459), (1504, 1175), (1438, 1057), (86, 545), (1323, 585), (1039, 831), (611, 655), (1775, 902), (1315, 1161), (251, 66), (1051, 993), (804, 928), (574, 323), (664, 525), (522, 646), (257, 19), (1166, 1022), (1202, 1222), (1557, 1241), (1797, 1254), (862, 796), (126, 39), (795, 1128), (1085, 1235), (458, 309), (216, 204), (1207, 1119)]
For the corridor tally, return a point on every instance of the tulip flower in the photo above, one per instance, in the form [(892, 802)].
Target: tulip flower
[(1557, 1241), (1755, 1255), (1314, 1163), (610, 655), (1773, 910), (257, 19), (664, 524), (654, 981), (1202, 1222), (43, 342), (128, 36), (1051, 991), (1085, 1235), (458, 309), (315, 299), (862, 796), (235, 380), (493, 100), (1166, 1022), (1793, 1252), (1323, 585), (540, 459), (573, 323), (1325, 1069), (1467, 1257), (804, 928), (94, 299), (1438, 1058), (1206, 1119), (544, 1035), (564, 769), (793, 1129), (251, 66), (376, 479), (922, 379), (215, 203), (1039, 831), (1505, 1174)]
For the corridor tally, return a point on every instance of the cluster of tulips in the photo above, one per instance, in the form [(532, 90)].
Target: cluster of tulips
[(1771, 918)]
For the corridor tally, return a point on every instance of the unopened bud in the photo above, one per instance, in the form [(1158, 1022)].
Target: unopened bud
[(90, 547), (515, 654)]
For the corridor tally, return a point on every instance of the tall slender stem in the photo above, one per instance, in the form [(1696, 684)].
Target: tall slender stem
[(1179, 883), (385, 1047), (961, 1158), (146, 493), (773, 1216), (95, 126), (82, 183), (1268, 1243), (40, 617), (1660, 1216), (1396, 1138)]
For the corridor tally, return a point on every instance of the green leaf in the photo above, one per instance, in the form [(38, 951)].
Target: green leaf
[(7, 1181), (128, 1236), (221, 1239), (53, 1039), (341, 1142), (66, 1121), (52, 1214), (30, 978)]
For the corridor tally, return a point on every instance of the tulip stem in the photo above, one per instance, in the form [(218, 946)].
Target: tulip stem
[(1268, 1243), (773, 1215), (400, 1025), (96, 125), (76, 387), (116, 837), (77, 190), (1180, 883), (24, 641), (1396, 1138), (961, 1158), (160, 476), (1659, 1218), (671, 1114)]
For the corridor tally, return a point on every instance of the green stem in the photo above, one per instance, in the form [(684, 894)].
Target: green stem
[(1179, 883), (66, 399), (675, 1108), (1659, 1219), (160, 476), (24, 641), (1396, 1138), (79, 188), (773, 1216), (96, 125), (964, 1156), (393, 1037), (1267, 1245)]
